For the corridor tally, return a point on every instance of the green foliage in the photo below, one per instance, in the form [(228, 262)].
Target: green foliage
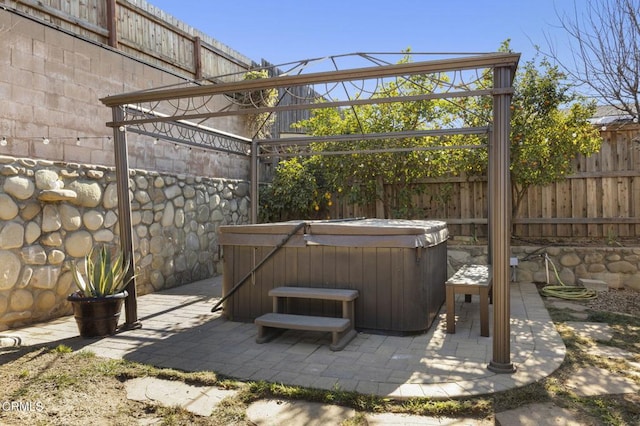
[(359, 177), (549, 127), (477, 407), (260, 390), (297, 192), (62, 349), (104, 272)]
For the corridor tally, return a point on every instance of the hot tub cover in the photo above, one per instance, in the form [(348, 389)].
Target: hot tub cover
[(341, 233), (377, 233)]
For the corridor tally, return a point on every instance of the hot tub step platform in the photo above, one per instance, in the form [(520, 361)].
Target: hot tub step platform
[(342, 329), (314, 293), (303, 322), (270, 325)]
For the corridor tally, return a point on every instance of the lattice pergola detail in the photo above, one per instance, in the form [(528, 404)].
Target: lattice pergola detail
[(192, 114)]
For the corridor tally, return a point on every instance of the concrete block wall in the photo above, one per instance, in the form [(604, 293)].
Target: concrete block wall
[(50, 86)]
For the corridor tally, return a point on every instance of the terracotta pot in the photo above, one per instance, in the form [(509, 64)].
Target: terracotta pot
[(97, 316)]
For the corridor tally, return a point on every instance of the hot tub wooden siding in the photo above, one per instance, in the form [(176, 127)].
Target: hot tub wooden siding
[(401, 289)]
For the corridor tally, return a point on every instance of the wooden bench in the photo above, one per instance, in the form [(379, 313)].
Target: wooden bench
[(469, 280), (342, 329)]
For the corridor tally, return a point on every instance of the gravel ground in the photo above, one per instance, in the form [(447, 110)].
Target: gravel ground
[(619, 301)]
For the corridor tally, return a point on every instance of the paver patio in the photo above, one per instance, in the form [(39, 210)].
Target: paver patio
[(179, 331)]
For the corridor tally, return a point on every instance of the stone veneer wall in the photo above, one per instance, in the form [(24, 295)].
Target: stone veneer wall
[(616, 266), (53, 213)]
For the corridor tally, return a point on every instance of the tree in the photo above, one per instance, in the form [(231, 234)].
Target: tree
[(297, 192), (549, 126), (366, 176), (604, 38), (549, 129)]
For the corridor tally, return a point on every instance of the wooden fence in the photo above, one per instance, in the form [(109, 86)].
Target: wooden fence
[(140, 30), (600, 200)]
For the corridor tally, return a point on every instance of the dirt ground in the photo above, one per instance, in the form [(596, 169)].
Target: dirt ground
[(56, 387)]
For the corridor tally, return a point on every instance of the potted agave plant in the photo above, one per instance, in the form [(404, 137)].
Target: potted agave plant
[(98, 301)]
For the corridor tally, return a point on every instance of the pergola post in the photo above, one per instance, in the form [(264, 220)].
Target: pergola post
[(500, 219), (124, 218), (254, 181)]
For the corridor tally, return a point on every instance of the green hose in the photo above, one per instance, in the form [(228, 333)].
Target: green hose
[(563, 291), (568, 292)]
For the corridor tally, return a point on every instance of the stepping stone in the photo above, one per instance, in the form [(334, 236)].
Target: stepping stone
[(636, 368), (610, 352), (579, 316), (595, 381), (596, 285), (275, 412), (391, 419), (200, 400), (542, 414), (560, 304), (592, 330)]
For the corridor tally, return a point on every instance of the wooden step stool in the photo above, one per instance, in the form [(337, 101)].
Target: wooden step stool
[(342, 329)]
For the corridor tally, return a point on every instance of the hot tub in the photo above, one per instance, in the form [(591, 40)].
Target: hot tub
[(399, 268)]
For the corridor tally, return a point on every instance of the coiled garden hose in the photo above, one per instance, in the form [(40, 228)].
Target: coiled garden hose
[(7, 341), (564, 291)]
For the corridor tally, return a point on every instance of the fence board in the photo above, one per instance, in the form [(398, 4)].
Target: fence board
[(481, 207), (563, 207), (634, 199), (607, 161), (578, 206), (622, 152), (535, 209), (593, 202), (593, 161), (609, 204), (466, 203), (549, 208), (624, 190)]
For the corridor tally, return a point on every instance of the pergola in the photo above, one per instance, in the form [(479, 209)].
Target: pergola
[(187, 114)]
